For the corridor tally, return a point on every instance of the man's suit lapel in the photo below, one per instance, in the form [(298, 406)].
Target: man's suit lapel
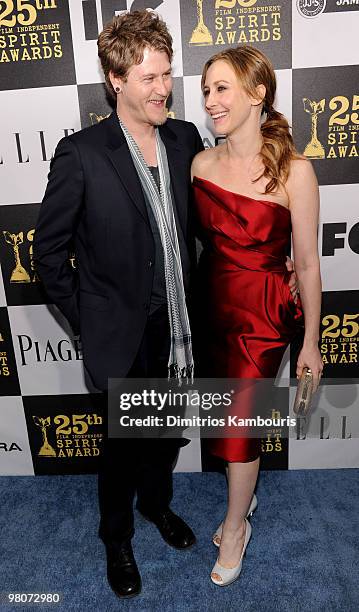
[(179, 173), (120, 157)]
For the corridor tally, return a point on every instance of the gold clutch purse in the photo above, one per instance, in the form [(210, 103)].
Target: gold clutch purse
[(304, 393)]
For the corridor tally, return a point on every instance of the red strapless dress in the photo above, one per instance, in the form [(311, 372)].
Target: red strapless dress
[(247, 311)]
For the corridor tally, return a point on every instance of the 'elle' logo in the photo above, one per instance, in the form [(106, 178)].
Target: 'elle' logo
[(23, 155)]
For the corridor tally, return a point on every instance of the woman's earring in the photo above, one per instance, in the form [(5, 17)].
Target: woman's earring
[(118, 90)]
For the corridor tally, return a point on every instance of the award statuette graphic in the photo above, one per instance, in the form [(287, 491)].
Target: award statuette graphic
[(94, 118), (314, 148), (35, 278), (46, 450), (201, 34), (19, 274)]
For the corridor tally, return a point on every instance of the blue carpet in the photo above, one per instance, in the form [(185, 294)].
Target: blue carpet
[(303, 556)]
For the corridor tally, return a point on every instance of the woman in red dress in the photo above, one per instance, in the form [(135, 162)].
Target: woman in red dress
[(251, 194)]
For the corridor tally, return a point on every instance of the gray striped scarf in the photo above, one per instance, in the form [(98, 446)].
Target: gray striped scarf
[(180, 362)]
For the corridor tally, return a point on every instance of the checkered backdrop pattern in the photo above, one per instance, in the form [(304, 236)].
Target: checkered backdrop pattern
[(50, 86)]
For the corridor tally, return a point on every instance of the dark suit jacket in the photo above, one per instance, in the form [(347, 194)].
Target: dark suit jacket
[(94, 204)]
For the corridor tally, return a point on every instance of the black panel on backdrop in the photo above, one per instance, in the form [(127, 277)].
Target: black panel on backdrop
[(211, 26), (326, 121), (339, 337), (22, 285), (311, 9), (65, 432), (274, 447), (36, 45), (340, 6), (9, 381), (95, 104)]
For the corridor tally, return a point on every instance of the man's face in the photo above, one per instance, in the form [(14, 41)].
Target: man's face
[(146, 89)]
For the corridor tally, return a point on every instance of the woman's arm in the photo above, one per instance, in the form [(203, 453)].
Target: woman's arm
[(303, 194)]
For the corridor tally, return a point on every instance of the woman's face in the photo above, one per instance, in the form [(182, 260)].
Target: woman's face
[(226, 100)]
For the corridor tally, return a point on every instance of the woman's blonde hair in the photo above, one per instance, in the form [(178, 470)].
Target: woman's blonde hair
[(253, 68)]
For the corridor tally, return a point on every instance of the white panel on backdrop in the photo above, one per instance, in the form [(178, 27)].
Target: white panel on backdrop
[(283, 100), (194, 108), (194, 102), (49, 359), (15, 454), (34, 121), (325, 40), (339, 237), (88, 67), (2, 292), (189, 459), (282, 379), (170, 12), (332, 438), (323, 454)]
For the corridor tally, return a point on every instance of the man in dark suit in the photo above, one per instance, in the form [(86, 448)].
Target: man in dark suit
[(98, 199)]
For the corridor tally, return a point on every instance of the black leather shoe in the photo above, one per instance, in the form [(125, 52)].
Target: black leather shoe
[(122, 572), (172, 528)]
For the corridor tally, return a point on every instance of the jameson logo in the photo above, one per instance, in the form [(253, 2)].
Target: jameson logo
[(340, 339), (64, 436), (22, 38), (235, 22), (333, 134)]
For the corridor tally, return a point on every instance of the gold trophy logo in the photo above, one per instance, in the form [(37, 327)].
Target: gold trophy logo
[(201, 34), (46, 450), (314, 148), (94, 118), (35, 278), (19, 274)]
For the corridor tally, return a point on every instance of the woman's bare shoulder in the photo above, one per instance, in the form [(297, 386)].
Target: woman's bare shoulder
[(300, 169), (302, 185), (203, 161)]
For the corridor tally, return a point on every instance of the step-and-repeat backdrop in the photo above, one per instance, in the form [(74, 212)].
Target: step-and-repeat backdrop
[(51, 85)]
